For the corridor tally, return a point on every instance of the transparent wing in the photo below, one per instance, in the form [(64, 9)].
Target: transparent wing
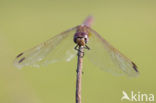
[(108, 58), (60, 47)]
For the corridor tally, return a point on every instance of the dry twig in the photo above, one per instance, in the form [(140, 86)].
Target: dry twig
[(79, 74)]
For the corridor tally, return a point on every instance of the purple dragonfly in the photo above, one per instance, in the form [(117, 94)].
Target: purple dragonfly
[(64, 47)]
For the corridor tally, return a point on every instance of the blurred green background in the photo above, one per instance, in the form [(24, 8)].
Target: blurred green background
[(129, 25)]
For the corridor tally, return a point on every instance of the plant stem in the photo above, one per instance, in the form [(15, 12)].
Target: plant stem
[(79, 74)]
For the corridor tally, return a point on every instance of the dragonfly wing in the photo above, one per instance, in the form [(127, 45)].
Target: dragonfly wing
[(60, 47), (108, 58)]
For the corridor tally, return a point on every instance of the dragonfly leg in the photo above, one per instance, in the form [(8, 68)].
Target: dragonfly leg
[(87, 47), (76, 47)]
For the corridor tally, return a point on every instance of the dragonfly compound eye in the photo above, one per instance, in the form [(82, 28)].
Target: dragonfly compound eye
[(86, 39)]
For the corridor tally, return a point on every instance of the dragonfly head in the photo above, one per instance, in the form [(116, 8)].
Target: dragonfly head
[(81, 38)]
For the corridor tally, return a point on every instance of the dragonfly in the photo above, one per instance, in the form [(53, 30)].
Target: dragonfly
[(63, 47)]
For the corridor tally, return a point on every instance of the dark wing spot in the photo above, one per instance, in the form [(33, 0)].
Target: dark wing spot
[(134, 67), (19, 55), (21, 60)]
